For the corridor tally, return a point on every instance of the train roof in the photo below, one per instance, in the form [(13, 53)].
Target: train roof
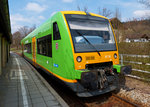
[(42, 27), (82, 13)]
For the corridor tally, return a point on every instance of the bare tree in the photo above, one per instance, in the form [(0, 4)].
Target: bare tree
[(78, 8), (16, 39), (20, 34), (117, 14), (104, 12), (116, 21), (85, 8), (145, 2), (25, 30)]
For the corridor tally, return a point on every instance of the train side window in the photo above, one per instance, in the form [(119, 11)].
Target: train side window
[(49, 45), (44, 46), (56, 33), (27, 48), (41, 46)]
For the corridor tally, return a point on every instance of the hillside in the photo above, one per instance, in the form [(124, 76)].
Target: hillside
[(131, 29)]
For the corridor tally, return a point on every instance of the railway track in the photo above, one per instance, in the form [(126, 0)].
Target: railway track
[(112, 101), (105, 100), (123, 102)]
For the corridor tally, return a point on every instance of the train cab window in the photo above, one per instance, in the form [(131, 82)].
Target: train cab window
[(27, 48), (44, 46), (56, 33)]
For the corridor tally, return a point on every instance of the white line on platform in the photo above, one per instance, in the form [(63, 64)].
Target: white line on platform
[(25, 100)]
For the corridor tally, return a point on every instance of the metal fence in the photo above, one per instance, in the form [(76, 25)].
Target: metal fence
[(131, 59)]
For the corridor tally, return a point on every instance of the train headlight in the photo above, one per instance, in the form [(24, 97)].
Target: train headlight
[(79, 58), (115, 56)]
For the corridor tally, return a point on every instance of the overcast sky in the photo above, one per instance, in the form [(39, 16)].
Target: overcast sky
[(35, 12)]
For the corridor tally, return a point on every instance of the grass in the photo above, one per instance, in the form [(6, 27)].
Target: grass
[(139, 66), (16, 50), (12, 49), (138, 48), (137, 59), (140, 74)]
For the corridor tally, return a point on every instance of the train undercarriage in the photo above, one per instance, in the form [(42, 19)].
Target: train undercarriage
[(100, 78)]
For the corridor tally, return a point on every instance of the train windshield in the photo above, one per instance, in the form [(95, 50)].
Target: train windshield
[(91, 35)]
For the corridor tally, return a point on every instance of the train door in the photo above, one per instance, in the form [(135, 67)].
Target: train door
[(57, 50), (49, 59), (34, 50)]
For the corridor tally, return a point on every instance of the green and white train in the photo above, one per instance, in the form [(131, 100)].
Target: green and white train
[(79, 49)]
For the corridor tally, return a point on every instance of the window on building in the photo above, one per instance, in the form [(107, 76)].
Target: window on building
[(44, 46), (27, 48), (56, 33)]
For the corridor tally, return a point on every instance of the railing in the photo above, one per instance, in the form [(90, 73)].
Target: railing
[(137, 61)]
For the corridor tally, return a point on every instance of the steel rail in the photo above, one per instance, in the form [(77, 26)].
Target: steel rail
[(126, 101)]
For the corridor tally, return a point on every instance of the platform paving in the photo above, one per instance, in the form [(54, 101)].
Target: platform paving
[(20, 86)]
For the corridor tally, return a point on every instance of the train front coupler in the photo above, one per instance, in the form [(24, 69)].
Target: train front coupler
[(123, 69), (98, 79)]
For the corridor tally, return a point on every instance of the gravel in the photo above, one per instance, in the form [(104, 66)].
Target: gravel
[(136, 91)]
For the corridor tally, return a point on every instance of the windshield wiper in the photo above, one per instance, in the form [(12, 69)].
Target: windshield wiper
[(89, 42)]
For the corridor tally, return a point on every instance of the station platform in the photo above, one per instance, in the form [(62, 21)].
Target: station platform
[(22, 86)]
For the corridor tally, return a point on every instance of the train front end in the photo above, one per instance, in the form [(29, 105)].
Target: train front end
[(95, 53)]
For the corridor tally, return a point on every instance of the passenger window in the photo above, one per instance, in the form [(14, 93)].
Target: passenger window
[(44, 45), (49, 45), (27, 48), (56, 33)]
